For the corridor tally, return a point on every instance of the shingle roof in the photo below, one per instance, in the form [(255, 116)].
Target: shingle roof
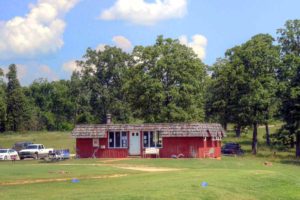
[(166, 129)]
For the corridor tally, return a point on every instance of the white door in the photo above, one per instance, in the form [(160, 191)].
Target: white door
[(135, 143)]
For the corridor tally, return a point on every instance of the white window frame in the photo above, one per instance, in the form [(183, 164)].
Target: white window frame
[(148, 133), (96, 142), (121, 133)]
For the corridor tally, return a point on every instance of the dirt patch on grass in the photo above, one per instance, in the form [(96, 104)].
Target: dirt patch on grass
[(114, 160), (21, 182), (58, 172), (123, 166), (68, 164), (148, 169), (262, 172)]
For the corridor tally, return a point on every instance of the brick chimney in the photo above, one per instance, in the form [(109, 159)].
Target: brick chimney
[(108, 119)]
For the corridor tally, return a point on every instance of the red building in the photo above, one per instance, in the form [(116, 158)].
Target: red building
[(189, 140)]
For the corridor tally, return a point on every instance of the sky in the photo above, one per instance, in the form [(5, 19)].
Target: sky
[(44, 38)]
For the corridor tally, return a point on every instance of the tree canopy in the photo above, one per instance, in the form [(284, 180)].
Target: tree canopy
[(289, 77), (252, 84), (166, 83)]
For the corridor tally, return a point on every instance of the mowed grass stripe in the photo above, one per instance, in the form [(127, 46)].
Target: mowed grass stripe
[(226, 180)]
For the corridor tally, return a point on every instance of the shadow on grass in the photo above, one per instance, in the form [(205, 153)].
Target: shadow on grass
[(283, 159), (51, 160), (291, 162), (245, 142)]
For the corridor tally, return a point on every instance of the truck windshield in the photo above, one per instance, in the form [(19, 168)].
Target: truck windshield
[(3, 150), (32, 147)]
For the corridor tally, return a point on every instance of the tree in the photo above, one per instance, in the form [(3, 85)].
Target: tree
[(258, 58), (103, 72), (62, 106), (15, 101), (218, 93), (39, 93), (2, 102), (225, 90), (289, 77), (80, 96), (167, 83)]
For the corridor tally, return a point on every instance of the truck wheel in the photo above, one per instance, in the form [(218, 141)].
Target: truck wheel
[(36, 156)]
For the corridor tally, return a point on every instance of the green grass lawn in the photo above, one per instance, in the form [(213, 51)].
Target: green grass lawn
[(57, 140), (263, 150), (232, 178), (229, 178)]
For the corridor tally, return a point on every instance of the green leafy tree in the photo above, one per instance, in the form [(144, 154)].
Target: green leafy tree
[(166, 83), (103, 72), (258, 58), (2, 102), (39, 93), (16, 101), (81, 95), (225, 90), (217, 94), (62, 106), (52, 104), (289, 76)]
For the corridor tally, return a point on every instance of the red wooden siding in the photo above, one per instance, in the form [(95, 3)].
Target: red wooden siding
[(187, 146), (190, 147), (85, 149), (111, 152)]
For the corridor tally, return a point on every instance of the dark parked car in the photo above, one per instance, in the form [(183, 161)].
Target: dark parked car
[(21, 145), (232, 148)]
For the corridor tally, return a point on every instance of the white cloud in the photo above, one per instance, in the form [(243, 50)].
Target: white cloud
[(70, 66), (145, 13), (21, 70), (5, 70), (198, 44), (45, 71), (32, 71), (100, 47), (119, 41), (122, 42), (39, 32)]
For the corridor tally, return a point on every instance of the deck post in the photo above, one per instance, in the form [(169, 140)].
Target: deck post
[(205, 146)]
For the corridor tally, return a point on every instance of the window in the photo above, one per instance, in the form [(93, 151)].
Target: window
[(124, 139), (117, 139), (32, 147), (152, 139)]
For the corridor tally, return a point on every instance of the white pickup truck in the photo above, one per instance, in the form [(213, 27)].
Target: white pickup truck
[(35, 151)]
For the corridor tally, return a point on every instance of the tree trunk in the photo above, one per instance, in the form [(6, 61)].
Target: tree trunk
[(225, 126), (267, 134), (292, 142), (238, 131), (297, 145), (254, 139)]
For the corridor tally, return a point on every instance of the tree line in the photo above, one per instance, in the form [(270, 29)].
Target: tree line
[(254, 83)]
